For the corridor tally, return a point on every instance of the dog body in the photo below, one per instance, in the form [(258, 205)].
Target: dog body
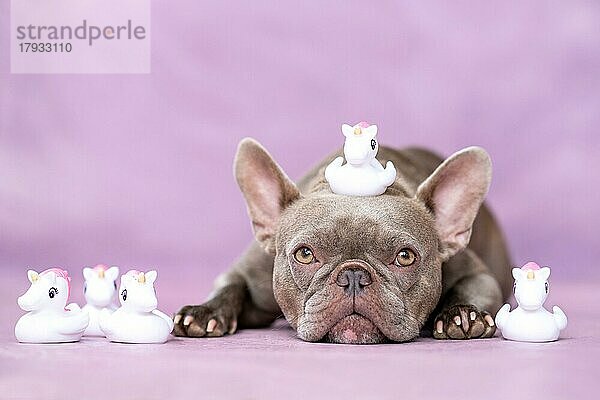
[(425, 254)]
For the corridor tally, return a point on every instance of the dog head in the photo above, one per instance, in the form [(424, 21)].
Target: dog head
[(361, 269)]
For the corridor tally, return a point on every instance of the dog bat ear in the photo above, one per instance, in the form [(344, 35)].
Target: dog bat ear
[(266, 188), (453, 193)]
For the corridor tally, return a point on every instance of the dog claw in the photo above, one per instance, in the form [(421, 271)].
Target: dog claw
[(212, 324), (187, 320), (457, 320), (489, 320), (177, 318), (439, 327), (473, 315), (233, 327)]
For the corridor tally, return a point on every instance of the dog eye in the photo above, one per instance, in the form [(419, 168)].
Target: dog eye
[(52, 292), (304, 255), (405, 257)]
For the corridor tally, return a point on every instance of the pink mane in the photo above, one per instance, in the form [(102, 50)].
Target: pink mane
[(530, 265), (363, 124), (133, 272), (63, 274)]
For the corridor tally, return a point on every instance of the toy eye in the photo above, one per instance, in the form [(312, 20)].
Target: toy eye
[(546, 287), (405, 257), (115, 285), (52, 292), (373, 144), (124, 294), (84, 287), (514, 287), (304, 255)]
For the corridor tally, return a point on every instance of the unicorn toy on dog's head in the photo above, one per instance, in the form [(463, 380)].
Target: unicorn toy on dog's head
[(362, 175), (137, 320), (530, 321), (99, 290), (49, 318)]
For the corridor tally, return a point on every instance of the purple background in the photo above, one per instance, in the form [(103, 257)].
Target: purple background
[(136, 170)]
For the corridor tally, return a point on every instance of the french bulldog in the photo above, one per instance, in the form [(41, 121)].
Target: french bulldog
[(425, 256)]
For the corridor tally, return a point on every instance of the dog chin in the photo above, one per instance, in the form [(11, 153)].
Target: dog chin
[(355, 329)]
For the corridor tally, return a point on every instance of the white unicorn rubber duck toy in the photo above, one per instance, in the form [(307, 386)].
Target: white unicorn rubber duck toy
[(137, 320), (99, 291), (49, 319), (530, 321), (362, 175)]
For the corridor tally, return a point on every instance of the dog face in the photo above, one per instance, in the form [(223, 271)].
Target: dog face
[(357, 269), (361, 269)]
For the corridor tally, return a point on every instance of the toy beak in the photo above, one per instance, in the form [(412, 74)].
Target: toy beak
[(141, 278)]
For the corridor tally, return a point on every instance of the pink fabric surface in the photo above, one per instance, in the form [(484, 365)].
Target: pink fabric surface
[(274, 364)]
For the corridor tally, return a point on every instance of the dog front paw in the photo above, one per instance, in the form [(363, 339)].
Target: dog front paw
[(208, 319), (463, 322)]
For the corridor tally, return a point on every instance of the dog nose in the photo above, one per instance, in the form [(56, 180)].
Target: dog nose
[(354, 279)]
